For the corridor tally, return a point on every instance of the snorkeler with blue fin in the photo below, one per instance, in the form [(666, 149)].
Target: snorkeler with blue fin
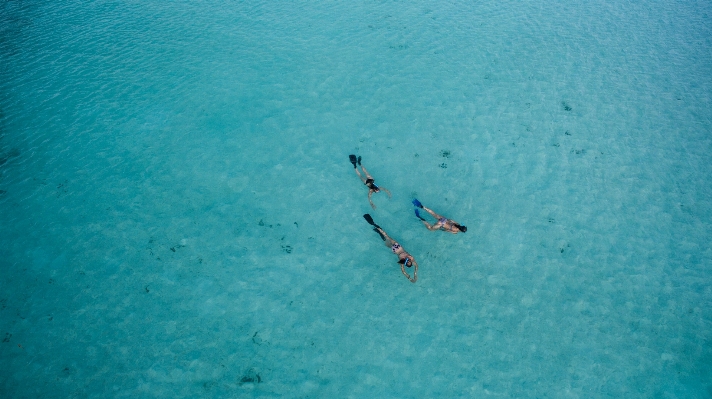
[(443, 223), (368, 180), (404, 258)]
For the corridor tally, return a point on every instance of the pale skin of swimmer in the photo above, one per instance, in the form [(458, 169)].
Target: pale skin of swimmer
[(442, 223), (402, 254), (370, 189)]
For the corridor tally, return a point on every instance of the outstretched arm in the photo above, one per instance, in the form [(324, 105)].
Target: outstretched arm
[(415, 272), (370, 193), (386, 190)]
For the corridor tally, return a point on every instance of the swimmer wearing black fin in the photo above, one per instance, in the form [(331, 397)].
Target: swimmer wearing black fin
[(368, 180), (404, 258)]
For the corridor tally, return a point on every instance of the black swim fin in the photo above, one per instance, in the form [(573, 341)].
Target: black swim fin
[(352, 158), (369, 219), (359, 160)]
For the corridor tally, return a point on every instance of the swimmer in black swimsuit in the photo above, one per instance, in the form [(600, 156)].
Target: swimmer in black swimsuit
[(368, 180), (443, 223), (404, 258)]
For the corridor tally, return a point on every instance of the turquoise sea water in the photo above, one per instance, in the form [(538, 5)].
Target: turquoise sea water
[(179, 218)]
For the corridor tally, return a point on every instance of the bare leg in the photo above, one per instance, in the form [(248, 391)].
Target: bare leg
[(433, 214), (432, 227), (388, 240), (359, 176), (368, 175)]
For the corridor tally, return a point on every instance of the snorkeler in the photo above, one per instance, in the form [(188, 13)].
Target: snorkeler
[(404, 258), (443, 223), (368, 180)]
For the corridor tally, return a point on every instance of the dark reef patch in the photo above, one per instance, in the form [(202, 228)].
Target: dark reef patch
[(250, 377)]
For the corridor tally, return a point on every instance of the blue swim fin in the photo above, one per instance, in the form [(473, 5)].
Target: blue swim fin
[(418, 215), (417, 203)]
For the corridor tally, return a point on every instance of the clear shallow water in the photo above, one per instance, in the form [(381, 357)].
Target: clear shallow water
[(179, 217)]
